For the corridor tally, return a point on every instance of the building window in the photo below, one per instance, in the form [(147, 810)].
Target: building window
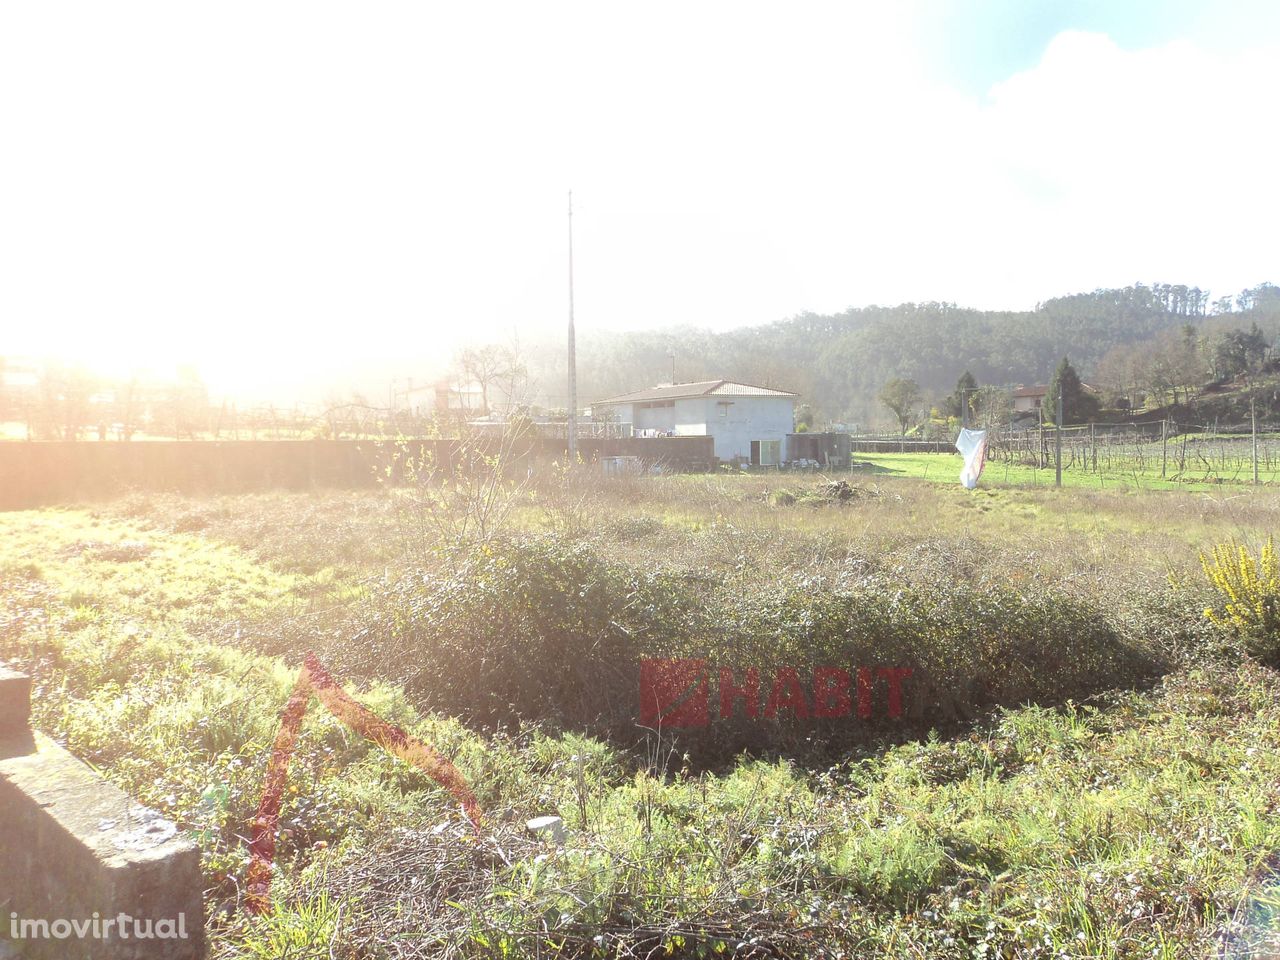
[(723, 407)]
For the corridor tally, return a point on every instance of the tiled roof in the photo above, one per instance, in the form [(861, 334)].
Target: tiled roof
[(702, 388), (1041, 390)]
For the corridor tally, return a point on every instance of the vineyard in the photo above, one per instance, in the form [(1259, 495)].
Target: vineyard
[(1157, 454), (1193, 452)]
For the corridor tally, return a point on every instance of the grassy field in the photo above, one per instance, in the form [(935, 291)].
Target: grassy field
[(1121, 813)]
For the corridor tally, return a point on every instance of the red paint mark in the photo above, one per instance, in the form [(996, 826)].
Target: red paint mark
[(315, 679), (673, 693)]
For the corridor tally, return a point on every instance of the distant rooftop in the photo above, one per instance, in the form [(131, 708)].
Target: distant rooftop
[(1042, 390), (1039, 390), (700, 388)]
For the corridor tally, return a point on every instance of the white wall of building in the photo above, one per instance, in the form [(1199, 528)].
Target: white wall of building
[(733, 421), (691, 417), (745, 419)]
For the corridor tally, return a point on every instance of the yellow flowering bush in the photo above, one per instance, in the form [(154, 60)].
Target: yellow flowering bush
[(1251, 588)]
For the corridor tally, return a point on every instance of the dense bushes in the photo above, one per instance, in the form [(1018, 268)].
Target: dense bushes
[(988, 645), (539, 628), (549, 630)]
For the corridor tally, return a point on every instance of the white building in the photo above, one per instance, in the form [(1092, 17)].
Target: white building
[(747, 422), (1028, 399)]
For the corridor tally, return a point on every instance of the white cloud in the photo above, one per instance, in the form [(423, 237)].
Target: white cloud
[(1140, 165), (309, 186)]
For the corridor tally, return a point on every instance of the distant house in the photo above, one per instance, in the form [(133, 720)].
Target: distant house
[(455, 398), (748, 423), (1028, 399), (19, 375)]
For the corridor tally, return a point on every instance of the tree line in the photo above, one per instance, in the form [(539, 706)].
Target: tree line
[(839, 363)]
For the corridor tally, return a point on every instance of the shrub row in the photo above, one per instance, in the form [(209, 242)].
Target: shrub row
[(548, 630)]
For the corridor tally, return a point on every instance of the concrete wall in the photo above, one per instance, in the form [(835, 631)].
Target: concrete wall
[(828, 449), (74, 849), (747, 419), (35, 474)]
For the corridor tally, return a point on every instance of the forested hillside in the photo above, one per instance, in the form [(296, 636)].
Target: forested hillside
[(839, 362)]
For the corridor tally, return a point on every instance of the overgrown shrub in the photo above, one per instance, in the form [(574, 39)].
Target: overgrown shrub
[(996, 644), (535, 628), (550, 630)]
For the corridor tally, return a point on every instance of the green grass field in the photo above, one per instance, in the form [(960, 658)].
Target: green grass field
[(1140, 821)]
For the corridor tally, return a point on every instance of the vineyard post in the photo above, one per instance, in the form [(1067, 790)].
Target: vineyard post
[(1164, 446)]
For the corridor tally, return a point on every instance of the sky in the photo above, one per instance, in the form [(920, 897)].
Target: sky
[(307, 197)]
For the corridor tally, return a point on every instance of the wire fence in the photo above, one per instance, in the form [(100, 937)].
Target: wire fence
[(1165, 449)]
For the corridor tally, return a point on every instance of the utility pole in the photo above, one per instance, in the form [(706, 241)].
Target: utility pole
[(573, 360), (1253, 417), (1057, 443)]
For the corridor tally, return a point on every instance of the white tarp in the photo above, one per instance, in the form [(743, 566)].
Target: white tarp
[(972, 445)]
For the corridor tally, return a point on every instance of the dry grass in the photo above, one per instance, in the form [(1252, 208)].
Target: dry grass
[(709, 522), (1142, 824)]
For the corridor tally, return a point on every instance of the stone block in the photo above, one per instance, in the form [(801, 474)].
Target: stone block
[(15, 702), (74, 848)]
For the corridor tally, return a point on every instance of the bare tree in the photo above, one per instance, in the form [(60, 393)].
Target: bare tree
[(1119, 373), (486, 366), (61, 408)]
